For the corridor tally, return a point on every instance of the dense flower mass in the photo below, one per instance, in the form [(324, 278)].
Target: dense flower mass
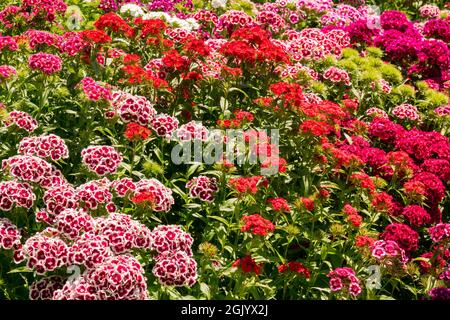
[(101, 159), (238, 149)]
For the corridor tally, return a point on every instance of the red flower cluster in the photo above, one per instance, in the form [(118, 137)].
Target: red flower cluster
[(115, 23), (296, 267), (247, 184), (136, 132), (257, 225), (248, 265), (279, 204)]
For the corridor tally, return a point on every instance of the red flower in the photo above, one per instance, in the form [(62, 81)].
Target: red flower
[(307, 203), (135, 131), (172, 59), (279, 204), (152, 27), (96, 36), (144, 197), (247, 265), (257, 225), (248, 184), (115, 23), (294, 266)]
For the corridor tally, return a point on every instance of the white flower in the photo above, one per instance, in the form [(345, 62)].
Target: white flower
[(133, 9), (157, 15), (218, 3)]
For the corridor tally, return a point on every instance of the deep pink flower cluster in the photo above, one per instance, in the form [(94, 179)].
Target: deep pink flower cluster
[(164, 125), (13, 192), (60, 197), (45, 62), (43, 252), (123, 233), (23, 120), (437, 29), (344, 279), (406, 111), (73, 223), (46, 146), (388, 253), (27, 168), (416, 215), (434, 188), (337, 75), (8, 42), (117, 278), (43, 289), (93, 193), (192, 131), (162, 196), (40, 38), (175, 268), (406, 238), (443, 111), (9, 234), (46, 8), (101, 159), (133, 108), (203, 188), (123, 186), (94, 91), (72, 43), (439, 232), (171, 238), (7, 71)]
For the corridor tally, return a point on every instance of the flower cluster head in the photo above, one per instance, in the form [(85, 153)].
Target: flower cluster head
[(257, 225), (352, 215), (192, 131), (337, 75), (123, 233), (89, 250), (377, 112), (203, 188), (439, 232), (47, 146), (136, 132), (13, 192), (94, 91), (101, 159), (161, 196), (344, 279), (279, 204), (43, 252), (416, 215), (295, 267), (27, 168), (133, 108), (164, 125), (9, 234), (406, 111), (429, 11), (93, 193), (59, 198), (248, 264), (44, 288), (171, 238), (123, 186), (404, 236), (117, 278), (22, 120), (247, 184), (45, 62), (44, 8), (440, 293), (175, 268), (72, 223), (7, 71), (389, 254)]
